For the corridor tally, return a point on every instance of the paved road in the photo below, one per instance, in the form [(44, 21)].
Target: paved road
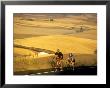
[(78, 71)]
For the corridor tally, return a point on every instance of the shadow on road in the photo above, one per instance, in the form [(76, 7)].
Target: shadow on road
[(66, 71)]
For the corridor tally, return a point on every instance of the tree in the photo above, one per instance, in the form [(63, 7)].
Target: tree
[(51, 19), (95, 51), (81, 29)]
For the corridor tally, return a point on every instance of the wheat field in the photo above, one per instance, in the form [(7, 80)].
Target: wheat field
[(38, 32)]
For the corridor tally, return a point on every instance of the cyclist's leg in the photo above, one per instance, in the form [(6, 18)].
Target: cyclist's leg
[(61, 67), (57, 65), (54, 65), (73, 65), (69, 64)]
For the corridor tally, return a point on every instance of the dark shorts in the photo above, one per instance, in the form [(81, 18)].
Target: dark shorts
[(70, 61), (73, 60)]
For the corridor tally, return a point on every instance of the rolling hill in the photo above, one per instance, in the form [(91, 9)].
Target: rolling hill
[(36, 31)]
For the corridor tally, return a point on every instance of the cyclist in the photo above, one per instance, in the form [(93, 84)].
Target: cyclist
[(71, 60), (59, 57)]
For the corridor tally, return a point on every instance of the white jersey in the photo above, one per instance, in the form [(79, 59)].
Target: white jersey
[(71, 58)]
